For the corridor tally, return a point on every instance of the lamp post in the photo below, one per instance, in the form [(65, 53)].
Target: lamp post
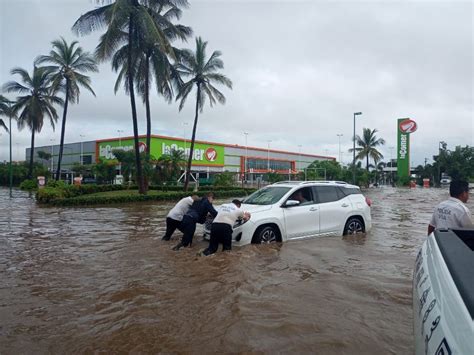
[(52, 156), (339, 136), (299, 158), (354, 148), (441, 145), (246, 156), (391, 164), (10, 168), (119, 131), (268, 155), (82, 136)]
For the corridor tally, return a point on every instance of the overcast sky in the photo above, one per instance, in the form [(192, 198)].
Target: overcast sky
[(299, 68)]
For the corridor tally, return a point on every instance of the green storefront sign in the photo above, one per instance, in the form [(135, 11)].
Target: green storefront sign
[(405, 127), (204, 154)]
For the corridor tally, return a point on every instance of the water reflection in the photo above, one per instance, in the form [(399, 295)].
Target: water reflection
[(101, 280)]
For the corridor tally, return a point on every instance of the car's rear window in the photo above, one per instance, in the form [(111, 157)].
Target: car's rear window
[(267, 195)]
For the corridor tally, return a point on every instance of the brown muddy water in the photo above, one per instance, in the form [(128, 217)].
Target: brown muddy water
[(90, 280)]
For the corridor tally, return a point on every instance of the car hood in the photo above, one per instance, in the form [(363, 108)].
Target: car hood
[(255, 208)]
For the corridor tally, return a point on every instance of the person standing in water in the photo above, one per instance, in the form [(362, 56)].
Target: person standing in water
[(175, 215), (221, 228), (452, 213)]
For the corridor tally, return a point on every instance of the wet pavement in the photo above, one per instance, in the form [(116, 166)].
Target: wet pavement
[(84, 280)]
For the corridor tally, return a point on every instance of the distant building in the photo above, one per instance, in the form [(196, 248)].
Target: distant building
[(208, 157)]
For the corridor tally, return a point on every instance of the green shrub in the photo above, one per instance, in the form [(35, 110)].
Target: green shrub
[(56, 184), (49, 194), (28, 185)]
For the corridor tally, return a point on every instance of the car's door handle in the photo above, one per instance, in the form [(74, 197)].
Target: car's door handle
[(344, 205), (313, 209)]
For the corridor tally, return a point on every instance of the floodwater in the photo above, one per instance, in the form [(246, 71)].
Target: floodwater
[(90, 280)]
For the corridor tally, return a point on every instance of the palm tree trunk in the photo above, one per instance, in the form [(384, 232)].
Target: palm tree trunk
[(63, 130), (147, 107), (141, 187), (367, 165), (148, 116), (191, 150), (32, 153)]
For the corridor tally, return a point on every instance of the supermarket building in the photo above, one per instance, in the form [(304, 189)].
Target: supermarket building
[(208, 157)]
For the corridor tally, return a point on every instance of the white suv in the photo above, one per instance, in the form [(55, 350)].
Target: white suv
[(302, 209)]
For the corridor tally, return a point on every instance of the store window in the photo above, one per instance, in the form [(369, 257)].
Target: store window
[(263, 164), (86, 159)]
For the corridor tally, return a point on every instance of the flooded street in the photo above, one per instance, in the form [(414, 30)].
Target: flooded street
[(84, 280)]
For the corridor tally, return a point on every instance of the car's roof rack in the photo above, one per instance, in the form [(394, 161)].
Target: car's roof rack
[(295, 182)]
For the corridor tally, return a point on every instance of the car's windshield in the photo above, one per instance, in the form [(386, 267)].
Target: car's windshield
[(267, 196)]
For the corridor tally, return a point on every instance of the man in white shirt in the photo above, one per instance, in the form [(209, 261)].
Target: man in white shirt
[(221, 228), (175, 215), (453, 212)]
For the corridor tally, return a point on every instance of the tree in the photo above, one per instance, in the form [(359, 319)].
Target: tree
[(170, 165), (152, 61), (331, 168), (457, 163), (68, 65), (126, 22), (203, 73), (37, 102), (368, 144), (3, 111)]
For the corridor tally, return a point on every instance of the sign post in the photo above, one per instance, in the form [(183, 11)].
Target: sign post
[(405, 126)]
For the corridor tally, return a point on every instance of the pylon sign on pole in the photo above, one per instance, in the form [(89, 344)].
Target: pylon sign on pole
[(406, 126)]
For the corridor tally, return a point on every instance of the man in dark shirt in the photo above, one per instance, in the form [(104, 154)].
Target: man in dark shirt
[(196, 214)]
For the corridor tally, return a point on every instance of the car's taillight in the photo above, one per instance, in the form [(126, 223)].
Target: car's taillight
[(368, 201)]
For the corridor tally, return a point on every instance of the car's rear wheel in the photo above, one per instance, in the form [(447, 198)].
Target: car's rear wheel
[(266, 235), (354, 225)]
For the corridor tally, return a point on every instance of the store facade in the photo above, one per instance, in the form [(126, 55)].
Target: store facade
[(248, 163)]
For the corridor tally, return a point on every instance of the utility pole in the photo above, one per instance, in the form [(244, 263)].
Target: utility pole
[(354, 148)]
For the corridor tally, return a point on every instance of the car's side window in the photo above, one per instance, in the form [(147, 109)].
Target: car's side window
[(327, 194), (303, 195)]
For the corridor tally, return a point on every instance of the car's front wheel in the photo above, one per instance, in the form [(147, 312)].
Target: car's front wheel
[(266, 234), (354, 225)]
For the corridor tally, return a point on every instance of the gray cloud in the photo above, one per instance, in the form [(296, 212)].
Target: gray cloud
[(300, 69)]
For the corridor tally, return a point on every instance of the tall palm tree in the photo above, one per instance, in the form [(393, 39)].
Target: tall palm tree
[(126, 22), (203, 73), (68, 65), (5, 110), (37, 102), (367, 146)]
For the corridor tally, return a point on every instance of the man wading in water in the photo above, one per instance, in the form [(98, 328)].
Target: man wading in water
[(175, 215), (196, 214), (221, 228), (453, 212)]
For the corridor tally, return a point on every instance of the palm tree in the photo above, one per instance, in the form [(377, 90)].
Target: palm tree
[(126, 22), (203, 73), (69, 62), (368, 144), (152, 61), (37, 102), (7, 110)]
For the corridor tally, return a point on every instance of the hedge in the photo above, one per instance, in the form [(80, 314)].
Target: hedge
[(56, 200)]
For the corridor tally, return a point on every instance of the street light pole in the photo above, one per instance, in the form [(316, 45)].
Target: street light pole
[(354, 148), (391, 164), (52, 156), (119, 131), (10, 171), (339, 136), (82, 136), (298, 166), (246, 156), (268, 155)]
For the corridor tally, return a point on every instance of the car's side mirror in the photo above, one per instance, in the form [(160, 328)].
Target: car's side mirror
[(290, 203)]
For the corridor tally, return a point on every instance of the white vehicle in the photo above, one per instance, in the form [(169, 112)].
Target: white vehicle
[(323, 208), (443, 294)]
